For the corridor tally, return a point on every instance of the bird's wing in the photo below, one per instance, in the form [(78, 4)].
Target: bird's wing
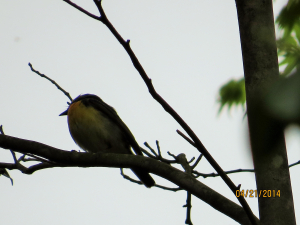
[(112, 114)]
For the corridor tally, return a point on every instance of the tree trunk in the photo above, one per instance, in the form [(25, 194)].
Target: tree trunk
[(257, 33)]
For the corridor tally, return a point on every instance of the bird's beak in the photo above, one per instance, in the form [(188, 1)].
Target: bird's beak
[(64, 113)]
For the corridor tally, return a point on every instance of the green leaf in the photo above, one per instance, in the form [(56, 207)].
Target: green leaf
[(289, 48), (288, 16), (292, 63), (232, 93), (297, 31)]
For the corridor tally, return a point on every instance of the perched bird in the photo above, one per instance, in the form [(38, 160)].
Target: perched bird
[(96, 127)]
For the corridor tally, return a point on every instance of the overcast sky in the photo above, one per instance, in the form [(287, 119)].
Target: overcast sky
[(188, 48)]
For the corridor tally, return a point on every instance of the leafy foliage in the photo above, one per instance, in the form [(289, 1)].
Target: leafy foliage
[(289, 16), (288, 47), (232, 93)]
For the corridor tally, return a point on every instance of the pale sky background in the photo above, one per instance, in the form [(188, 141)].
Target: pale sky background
[(188, 48)]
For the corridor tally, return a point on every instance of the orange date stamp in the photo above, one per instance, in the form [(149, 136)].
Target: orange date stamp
[(255, 193)]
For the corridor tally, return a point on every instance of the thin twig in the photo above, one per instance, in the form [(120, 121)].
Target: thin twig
[(185, 137), (158, 155), (188, 206), (151, 149), (52, 81), (188, 169), (129, 178), (156, 185), (147, 153), (82, 10), (29, 170), (205, 175), (158, 147), (4, 172), (197, 161), (294, 164), (168, 188), (30, 160), (191, 160), (216, 175), (22, 158), (40, 159), (170, 154)]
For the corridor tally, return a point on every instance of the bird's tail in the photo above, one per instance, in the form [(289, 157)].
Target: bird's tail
[(144, 177)]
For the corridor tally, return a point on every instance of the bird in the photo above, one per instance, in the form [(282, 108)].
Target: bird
[(96, 127)]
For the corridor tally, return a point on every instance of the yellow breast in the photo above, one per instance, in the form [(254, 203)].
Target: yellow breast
[(93, 131)]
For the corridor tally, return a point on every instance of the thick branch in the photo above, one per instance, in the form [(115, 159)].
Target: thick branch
[(78, 159), (260, 62)]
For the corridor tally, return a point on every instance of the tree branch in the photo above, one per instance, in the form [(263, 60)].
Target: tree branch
[(171, 111), (140, 183), (82, 10), (80, 159), (188, 206), (205, 175), (52, 81), (260, 63)]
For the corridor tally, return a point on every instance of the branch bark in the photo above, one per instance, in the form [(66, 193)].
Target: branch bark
[(260, 61), (78, 159)]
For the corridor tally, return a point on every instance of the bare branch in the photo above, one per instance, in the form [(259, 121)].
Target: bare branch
[(168, 188), (82, 10), (181, 159), (188, 206), (37, 158), (147, 153), (80, 159), (156, 185), (294, 164), (12, 152), (4, 172), (186, 138), (29, 170), (151, 149), (22, 158), (191, 160), (172, 112), (205, 175), (216, 175), (52, 81), (158, 155), (188, 169), (158, 148), (197, 161), (129, 178)]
